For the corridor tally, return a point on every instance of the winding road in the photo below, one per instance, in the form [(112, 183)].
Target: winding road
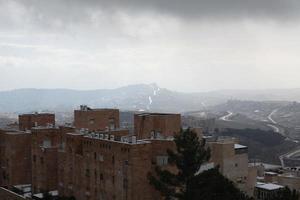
[(226, 117), (270, 116), (273, 125)]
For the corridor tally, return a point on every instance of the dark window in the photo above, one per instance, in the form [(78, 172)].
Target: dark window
[(101, 177), (113, 160), (125, 183), (87, 173), (113, 180), (34, 158), (95, 155), (3, 175), (42, 160)]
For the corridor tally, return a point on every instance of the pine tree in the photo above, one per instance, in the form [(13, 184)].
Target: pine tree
[(187, 184), (287, 194)]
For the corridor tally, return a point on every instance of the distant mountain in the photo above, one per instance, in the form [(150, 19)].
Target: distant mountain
[(135, 97), (142, 97), (259, 95)]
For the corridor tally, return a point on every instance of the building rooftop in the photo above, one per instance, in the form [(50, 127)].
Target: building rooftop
[(25, 188), (50, 126), (238, 146), (156, 114), (41, 195), (265, 165), (110, 137), (87, 108), (36, 113), (16, 132), (268, 186), (271, 173)]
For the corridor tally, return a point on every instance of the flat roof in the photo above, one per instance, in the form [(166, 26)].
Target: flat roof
[(271, 173), (75, 133), (268, 186), (41, 195), (25, 188), (116, 141), (44, 127), (156, 114), (98, 109), (100, 132), (239, 146), (265, 165), (36, 113), (16, 132), (112, 130)]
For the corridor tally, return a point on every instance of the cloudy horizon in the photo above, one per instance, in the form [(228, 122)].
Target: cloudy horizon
[(190, 46)]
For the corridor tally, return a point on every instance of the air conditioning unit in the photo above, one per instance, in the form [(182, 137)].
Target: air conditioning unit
[(152, 134), (124, 139), (133, 139), (112, 137)]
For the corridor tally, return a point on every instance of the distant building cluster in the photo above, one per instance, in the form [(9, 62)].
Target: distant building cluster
[(96, 159)]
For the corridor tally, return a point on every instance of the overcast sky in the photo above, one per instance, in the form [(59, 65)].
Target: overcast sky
[(184, 45)]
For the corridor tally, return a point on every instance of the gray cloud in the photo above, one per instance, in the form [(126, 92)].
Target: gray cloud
[(78, 10), (228, 44)]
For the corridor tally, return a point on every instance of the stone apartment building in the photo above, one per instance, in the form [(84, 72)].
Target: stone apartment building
[(147, 125), (15, 158), (27, 121), (232, 159), (96, 119), (46, 141), (110, 163), (15, 149), (96, 159)]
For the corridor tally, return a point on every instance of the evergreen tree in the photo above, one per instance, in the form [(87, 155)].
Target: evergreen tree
[(211, 185), (190, 154), (287, 194)]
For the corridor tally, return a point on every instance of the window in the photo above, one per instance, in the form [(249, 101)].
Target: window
[(34, 158), (47, 143), (113, 180), (125, 183), (101, 177), (95, 155), (161, 160), (63, 146), (42, 160), (113, 160), (100, 158), (95, 176), (3, 175), (87, 173), (112, 124)]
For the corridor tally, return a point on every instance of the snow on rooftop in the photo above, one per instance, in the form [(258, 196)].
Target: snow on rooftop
[(270, 173), (238, 146), (260, 178), (268, 186), (54, 193), (39, 195)]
